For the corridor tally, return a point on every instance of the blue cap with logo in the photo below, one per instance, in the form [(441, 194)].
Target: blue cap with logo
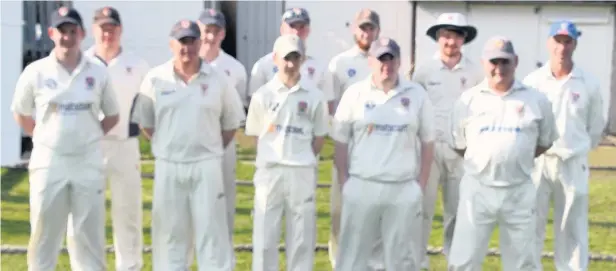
[(566, 28), (296, 15)]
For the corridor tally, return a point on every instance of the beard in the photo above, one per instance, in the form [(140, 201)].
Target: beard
[(363, 46)]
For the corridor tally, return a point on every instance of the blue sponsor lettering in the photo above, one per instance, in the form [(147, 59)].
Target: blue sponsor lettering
[(500, 129), (389, 128), (68, 108), (289, 129)]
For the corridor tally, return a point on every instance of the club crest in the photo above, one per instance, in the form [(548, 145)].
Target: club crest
[(575, 96), (106, 12), (212, 12), (405, 102), (351, 72), (369, 105), (275, 70), (520, 109), (89, 83), (463, 81), (301, 107), (311, 71), (185, 24), (63, 11), (129, 70), (51, 84), (204, 89), (228, 72)]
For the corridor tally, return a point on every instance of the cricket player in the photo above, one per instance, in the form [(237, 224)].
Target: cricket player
[(499, 127), (384, 136), (190, 112), (66, 92), (294, 21), (121, 144), (561, 174), (445, 77), (344, 70), (289, 118)]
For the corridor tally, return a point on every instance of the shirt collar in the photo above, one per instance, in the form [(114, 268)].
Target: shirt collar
[(576, 73), (91, 52), (464, 61), (517, 86), (358, 51), (205, 68), (403, 86), (277, 85), (83, 62)]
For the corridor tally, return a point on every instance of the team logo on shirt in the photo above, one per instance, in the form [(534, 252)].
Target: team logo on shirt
[(203, 89), (228, 72), (351, 72), (63, 11), (275, 69), (520, 110), (405, 102), (50, 83), (89, 83), (311, 71), (463, 81), (129, 70), (301, 107), (575, 96), (369, 105)]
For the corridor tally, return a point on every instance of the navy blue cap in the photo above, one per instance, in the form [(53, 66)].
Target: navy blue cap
[(107, 15), (213, 17), (566, 28), (184, 29), (296, 15), (383, 46), (65, 15)]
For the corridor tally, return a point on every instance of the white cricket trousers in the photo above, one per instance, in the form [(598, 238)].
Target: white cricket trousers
[(69, 185), (566, 183), (483, 207), (229, 164), (371, 209), (122, 168), (376, 258), (447, 170), (290, 191), (189, 203)]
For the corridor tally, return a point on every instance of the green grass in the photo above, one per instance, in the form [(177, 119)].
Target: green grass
[(15, 226)]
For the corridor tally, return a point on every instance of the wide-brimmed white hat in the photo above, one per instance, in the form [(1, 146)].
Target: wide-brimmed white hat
[(453, 21)]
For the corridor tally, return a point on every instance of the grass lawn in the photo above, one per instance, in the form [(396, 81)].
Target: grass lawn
[(15, 225)]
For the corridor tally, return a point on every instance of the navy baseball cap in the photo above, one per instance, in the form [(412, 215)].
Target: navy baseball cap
[(65, 15), (213, 17), (185, 29), (296, 15), (566, 28), (384, 46), (107, 15)]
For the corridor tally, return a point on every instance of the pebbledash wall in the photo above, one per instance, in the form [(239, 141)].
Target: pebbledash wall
[(254, 25)]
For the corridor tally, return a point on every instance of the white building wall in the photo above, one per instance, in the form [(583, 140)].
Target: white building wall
[(146, 24), (10, 68)]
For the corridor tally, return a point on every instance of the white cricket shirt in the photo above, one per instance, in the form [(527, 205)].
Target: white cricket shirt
[(346, 69), (126, 71), (286, 122), (312, 72), (188, 118), (444, 87), (66, 106), (577, 106), (235, 72), (384, 130), (501, 132)]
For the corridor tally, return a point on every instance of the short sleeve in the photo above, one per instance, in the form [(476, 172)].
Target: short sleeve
[(109, 102), (258, 77), (23, 98), (457, 125), (548, 132), (254, 119), (232, 110), (241, 85), (321, 118), (144, 111), (343, 119), (426, 131)]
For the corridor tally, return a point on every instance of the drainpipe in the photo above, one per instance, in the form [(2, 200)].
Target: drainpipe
[(413, 36)]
